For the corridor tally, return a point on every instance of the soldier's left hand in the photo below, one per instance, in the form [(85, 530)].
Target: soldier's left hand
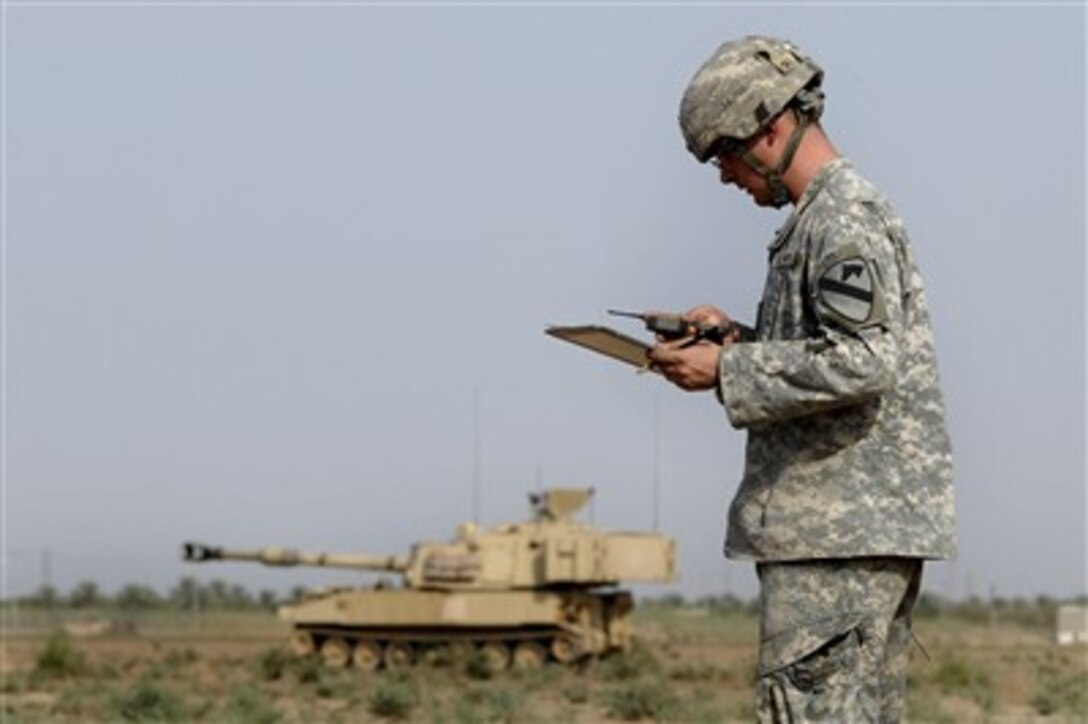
[(689, 366)]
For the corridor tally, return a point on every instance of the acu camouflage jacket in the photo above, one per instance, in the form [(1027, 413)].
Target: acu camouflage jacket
[(847, 451)]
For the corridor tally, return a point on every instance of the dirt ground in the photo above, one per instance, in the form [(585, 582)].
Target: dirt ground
[(690, 665)]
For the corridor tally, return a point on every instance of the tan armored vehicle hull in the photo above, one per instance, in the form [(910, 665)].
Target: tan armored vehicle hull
[(518, 593), (396, 626)]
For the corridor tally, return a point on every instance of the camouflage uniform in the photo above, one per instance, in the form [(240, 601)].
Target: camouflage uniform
[(848, 470), (848, 476), (847, 451)]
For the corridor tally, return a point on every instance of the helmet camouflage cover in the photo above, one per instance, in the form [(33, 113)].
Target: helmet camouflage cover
[(742, 88)]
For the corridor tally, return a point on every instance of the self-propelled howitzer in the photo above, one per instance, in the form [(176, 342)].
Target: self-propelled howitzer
[(521, 592)]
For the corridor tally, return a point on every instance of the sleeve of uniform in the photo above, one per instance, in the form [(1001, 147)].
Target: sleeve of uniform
[(853, 292)]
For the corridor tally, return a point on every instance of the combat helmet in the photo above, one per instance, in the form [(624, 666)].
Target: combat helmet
[(741, 89)]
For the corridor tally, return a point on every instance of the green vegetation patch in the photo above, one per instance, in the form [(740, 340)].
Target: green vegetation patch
[(59, 658), (147, 701), (643, 700), (1061, 693), (393, 699), (924, 705), (83, 701), (501, 704), (172, 665), (702, 672), (273, 664), (307, 670), (955, 675), (639, 661), (247, 704)]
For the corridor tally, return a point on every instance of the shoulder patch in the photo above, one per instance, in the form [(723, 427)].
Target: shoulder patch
[(846, 288), (848, 291)]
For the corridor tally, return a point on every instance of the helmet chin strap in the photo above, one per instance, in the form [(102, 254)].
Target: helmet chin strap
[(780, 194)]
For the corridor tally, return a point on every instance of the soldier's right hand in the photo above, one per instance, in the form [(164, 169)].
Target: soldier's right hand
[(707, 313)]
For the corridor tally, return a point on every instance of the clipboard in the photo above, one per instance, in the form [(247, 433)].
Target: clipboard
[(606, 341)]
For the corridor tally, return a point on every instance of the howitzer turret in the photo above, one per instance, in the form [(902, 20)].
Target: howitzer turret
[(523, 591)]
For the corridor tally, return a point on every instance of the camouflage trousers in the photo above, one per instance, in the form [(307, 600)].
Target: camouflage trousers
[(834, 639)]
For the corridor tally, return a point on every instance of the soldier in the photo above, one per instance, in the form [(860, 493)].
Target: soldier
[(847, 485)]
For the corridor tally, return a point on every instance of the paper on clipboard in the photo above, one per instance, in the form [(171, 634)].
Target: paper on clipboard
[(606, 341)]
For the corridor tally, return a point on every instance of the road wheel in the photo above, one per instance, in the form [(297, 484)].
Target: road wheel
[(397, 655), (461, 652), (496, 654), (564, 649), (302, 643), (529, 655), (367, 655), (336, 652)]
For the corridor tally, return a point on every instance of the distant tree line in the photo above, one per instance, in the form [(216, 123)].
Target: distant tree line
[(1037, 611), (1041, 610), (189, 594)]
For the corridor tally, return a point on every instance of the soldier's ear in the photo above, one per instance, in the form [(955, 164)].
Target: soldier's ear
[(766, 138), (772, 138)]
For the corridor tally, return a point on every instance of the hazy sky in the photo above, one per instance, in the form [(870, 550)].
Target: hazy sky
[(278, 274)]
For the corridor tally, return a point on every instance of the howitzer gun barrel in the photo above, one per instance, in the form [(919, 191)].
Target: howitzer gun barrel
[(199, 553)]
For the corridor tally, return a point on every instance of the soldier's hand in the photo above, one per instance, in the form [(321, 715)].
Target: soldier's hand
[(707, 313), (690, 367), (711, 315)]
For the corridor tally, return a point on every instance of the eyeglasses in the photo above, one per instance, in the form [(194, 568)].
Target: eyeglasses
[(723, 148)]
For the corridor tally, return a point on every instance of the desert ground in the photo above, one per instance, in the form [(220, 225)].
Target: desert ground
[(689, 664)]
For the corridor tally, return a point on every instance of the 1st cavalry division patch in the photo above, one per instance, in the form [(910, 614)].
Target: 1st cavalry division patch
[(846, 289)]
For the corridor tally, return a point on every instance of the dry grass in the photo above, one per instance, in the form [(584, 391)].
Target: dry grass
[(690, 666)]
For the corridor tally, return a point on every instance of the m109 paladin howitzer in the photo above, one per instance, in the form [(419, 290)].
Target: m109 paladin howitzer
[(516, 593)]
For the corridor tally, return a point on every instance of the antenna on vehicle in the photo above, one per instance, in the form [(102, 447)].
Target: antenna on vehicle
[(657, 463), (476, 445)]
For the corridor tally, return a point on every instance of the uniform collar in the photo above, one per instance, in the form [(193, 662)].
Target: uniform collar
[(818, 182)]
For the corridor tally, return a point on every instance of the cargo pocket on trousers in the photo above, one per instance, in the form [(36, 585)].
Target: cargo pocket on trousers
[(821, 685), (813, 650), (813, 672)]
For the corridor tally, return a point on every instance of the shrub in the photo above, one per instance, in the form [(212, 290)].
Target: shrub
[(59, 658), (249, 706), (954, 675), (272, 663), (308, 670), (633, 702), (630, 665), (393, 699), (177, 658), (171, 664), (83, 702), (479, 667), (147, 702), (1058, 693)]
